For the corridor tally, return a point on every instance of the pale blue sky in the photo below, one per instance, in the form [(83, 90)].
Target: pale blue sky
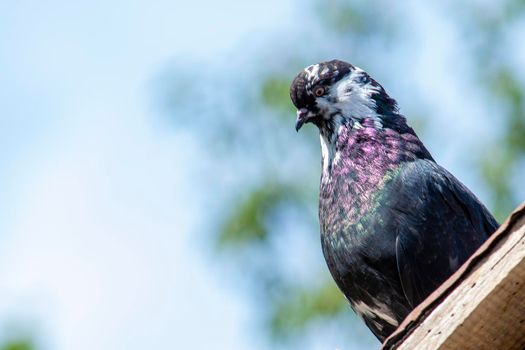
[(95, 251), (97, 245)]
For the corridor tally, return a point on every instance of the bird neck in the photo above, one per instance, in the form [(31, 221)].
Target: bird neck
[(352, 148)]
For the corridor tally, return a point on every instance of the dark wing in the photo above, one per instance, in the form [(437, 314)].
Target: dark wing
[(439, 223)]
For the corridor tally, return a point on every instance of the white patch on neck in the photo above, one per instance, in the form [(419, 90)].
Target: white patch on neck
[(330, 155), (327, 154), (353, 98)]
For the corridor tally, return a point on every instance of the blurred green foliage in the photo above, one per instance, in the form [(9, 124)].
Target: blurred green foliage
[(18, 344), (288, 304), (248, 222), (274, 93), (509, 150), (302, 306)]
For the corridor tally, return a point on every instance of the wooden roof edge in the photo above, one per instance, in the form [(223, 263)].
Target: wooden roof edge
[(414, 319)]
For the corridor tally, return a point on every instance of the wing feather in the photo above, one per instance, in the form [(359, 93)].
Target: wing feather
[(439, 224)]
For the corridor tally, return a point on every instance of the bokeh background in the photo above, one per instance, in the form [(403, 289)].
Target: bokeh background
[(154, 193)]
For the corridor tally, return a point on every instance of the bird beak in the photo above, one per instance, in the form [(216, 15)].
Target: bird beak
[(302, 117)]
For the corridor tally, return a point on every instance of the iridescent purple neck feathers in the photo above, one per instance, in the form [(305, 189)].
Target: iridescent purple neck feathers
[(364, 148)]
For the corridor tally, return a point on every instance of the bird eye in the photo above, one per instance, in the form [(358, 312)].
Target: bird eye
[(319, 91)]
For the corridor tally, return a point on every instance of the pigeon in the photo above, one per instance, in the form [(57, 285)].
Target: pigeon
[(394, 224)]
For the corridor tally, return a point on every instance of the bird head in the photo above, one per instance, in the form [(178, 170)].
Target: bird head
[(332, 92)]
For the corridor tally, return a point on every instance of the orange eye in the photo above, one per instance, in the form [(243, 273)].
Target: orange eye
[(319, 91)]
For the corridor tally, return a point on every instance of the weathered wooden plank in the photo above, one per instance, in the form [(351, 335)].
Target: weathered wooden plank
[(482, 306)]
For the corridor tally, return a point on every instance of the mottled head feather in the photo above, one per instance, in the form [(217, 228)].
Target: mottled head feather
[(324, 73), (332, 92)]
